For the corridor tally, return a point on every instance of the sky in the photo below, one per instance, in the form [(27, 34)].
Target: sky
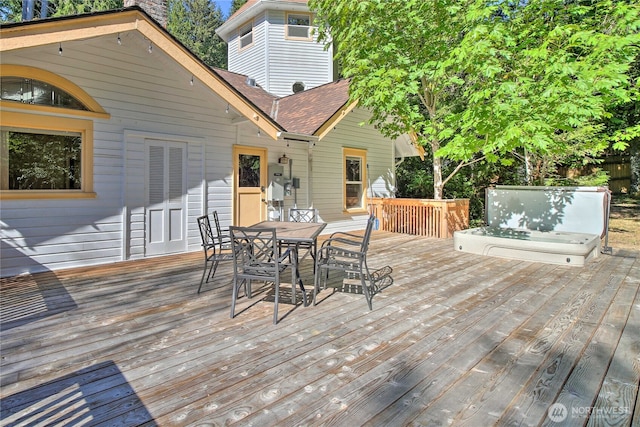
[(225, 5)]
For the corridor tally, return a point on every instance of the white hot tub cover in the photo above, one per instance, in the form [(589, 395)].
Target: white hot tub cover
[(559, 225)]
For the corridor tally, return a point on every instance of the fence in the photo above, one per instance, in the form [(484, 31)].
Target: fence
[(422, 217), (618, 167)]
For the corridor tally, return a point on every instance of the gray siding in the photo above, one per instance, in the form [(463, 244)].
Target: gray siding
[(275, 62), (252, 60), (146, 95), (295, 60), (327, 169)]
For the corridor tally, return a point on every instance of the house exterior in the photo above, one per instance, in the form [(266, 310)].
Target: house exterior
[(141, 138), (272, 41)]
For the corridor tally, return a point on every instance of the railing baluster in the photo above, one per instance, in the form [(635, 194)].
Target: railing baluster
[(422, 217)]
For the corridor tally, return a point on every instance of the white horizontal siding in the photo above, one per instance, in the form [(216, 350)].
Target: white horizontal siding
[(252, 60), (327, 169), (292, 61), (146, 93), (149, 95)]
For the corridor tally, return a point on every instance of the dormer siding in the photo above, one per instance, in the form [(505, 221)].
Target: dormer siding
[(277, 62)]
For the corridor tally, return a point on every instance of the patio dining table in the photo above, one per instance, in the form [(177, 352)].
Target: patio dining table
[(290, 234)]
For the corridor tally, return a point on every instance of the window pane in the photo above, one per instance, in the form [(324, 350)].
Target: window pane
[(249, 171), (29, 91), (298, 26), (354, 196), (301, 32), (298, 20), (246, 35), (43, 161), (353, 169)]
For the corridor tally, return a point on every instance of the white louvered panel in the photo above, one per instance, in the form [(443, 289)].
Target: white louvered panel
[(176, 174), (156, 174)]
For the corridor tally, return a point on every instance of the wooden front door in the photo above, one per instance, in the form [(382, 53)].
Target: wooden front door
[(250, 180)]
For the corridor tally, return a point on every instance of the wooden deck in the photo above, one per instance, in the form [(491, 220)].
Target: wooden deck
[(457, 339)]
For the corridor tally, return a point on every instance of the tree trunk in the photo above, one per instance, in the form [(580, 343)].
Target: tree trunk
[(437, 178), (634, 160)]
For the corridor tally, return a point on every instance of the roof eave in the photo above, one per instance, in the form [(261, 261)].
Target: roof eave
[(226, 30), (37, 33), (336, 118)]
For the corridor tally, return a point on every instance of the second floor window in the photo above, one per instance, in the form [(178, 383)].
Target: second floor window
[(246, 35), (298, 26)]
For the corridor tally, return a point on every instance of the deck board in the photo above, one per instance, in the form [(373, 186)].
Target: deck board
[(457, 339)]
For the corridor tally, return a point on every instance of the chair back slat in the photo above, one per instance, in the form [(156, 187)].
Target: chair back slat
[(367, 234), (303, 215), (206, 233), (255, 251)]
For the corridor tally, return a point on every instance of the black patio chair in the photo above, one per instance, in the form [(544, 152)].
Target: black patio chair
[(257, 256), (347, 253), (304, 215), (215, 245)]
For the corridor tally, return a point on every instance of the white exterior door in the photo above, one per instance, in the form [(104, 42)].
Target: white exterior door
[(166, 200)]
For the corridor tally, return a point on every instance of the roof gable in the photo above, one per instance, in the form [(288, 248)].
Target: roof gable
[(308, 111), (80, 27), (311, 112)]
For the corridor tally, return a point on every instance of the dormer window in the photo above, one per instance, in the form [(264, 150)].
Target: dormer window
[(298, 26), (246, 35)]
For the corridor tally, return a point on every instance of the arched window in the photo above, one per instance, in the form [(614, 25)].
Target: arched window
[(36, 92), (44, 154)]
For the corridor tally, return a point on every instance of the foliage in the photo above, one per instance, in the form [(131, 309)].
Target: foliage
[(235, 5), (39, 161), (415, 180), (597, 178), (11, 10), (193, 22), (473, 80)]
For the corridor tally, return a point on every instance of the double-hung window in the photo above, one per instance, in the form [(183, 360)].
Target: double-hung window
[(354, 189), (298, 26), (245, 35), (44, 154)]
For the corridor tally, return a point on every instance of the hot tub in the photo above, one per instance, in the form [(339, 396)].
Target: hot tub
[(553, 247), (556, 225)]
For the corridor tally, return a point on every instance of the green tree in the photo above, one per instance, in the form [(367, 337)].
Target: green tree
[(235, 5), (11, 10), (193, 22), (473, 80)]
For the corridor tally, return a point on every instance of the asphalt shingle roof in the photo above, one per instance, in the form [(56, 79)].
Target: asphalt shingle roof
[(303, 112)]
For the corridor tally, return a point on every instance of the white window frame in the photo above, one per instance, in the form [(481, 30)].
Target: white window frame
[(245, 32), (54, 119), (354, 153), (288, 26)]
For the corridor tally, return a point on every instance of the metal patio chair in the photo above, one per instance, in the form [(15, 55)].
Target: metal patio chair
[(215, 245), (257, 256), (304, 215), (347, 253)]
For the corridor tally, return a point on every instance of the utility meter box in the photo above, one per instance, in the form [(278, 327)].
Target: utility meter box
[(275, 190)]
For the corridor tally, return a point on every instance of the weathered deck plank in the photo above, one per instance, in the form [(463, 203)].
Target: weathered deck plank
[(457, 339)]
